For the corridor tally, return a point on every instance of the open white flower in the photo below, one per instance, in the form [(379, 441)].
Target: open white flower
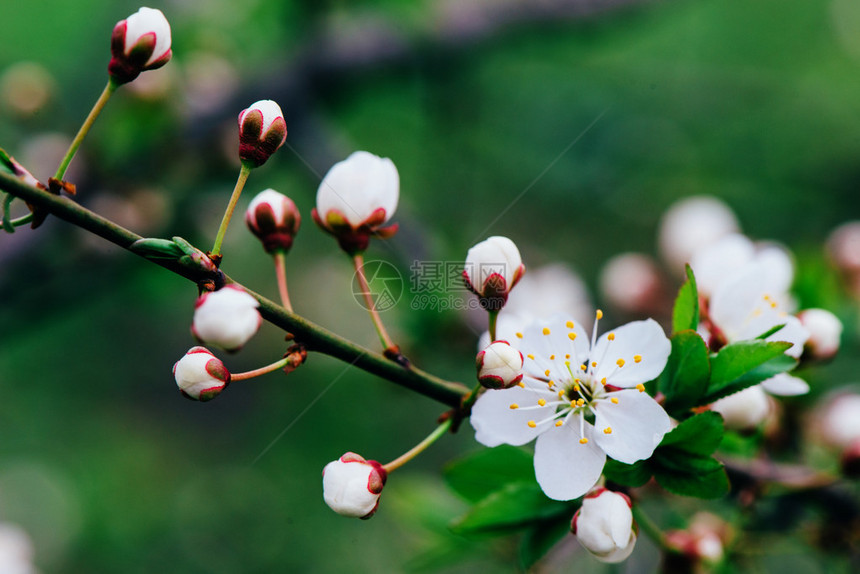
[(581, 400)]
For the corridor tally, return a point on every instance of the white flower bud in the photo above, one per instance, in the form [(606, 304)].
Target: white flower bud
[(745, 409), (16, 550), (492, 268), (200, 375), (262, 131), (690, 225), (839, 420), (604, 525), (631, 283), (226, 318), (500, 366), (825, 332), (274, 219), (140, 42), (352, 485), (843, 245), (356, 197)]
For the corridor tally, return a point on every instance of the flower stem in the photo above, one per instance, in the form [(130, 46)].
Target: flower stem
[(234, 198), (261, 371), (387, 343), (281, 272), (418, 448), (85, 128), (649, 527), (494, 315)]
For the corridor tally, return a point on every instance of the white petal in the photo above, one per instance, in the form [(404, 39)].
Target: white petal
[(744, 409), (143, 22), (565, 468), (644, 339), (692, 224), (495, 422), (719, 261), (637, 422), (778, 268), (557, 344), (785, 385), (358, 186), (794, 332)]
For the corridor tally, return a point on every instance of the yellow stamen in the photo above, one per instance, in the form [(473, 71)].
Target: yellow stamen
[(583, 440), (607, 430), (559, 423), (519, 335), (546, 372), (611, 336), (552, 357), (567, 356), (542, 402), (521, 384), (569, 324), (594, 364), (532, 424), (561, 394), (514, 406), (580, 402), (599, 314), (546, 330), (614, 400), (573, 404), (583, 367), (571, 336), (530, 356), (576, 388), (637, 358), (620, 363), (640, 387), (603, 381)]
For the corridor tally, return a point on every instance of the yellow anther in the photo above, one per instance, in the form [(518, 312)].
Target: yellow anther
[(614, 400), (551, 383), (583, 440), (571, 336), (583, 367), (514, 406), (521, 384), (620, 363), (552, 357), (542, 402), (546, 330), (567, 356), (599, 314), (580, 402), (546, 372), (607, 430), (766, 297), (559, 423), (530, 356), (637, 358), (756, 312), (576, 388), (594, 364), (611, 336), (561, 394), (773, 305), (603, 381), (640, 387), (532, 424), (573, 403), (519, 335), (569, 324)]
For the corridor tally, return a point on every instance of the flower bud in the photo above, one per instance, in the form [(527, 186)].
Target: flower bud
[(140, 42), (352, 485), (604, 525), (632, 283), (825, 331), (262, 130), (745, 409), (200, 375), (356, 197), (691, 224), (274, 219), (838, 420), (492, 268), (226, 318), (500, 366)]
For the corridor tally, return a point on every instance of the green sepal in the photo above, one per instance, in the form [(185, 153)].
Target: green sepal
[(685, 314), (155, 248)]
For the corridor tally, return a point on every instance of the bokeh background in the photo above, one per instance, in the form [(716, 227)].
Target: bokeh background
[(567, 125)]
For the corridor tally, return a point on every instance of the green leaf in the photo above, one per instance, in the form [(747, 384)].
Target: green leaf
[(476, 475), (632, 475), (685, 378), (685, 314), (698, 435), (511, 508), (748, 364), (770, 331), (708, 480), (538, 539), (154, 248)]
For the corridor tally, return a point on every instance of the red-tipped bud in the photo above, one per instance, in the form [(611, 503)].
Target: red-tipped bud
[(262, 130), (140, 42), (200, 375), (492, 269), (352, 485), (226, 318), (604, 525), (500, 366), (274, 219), (355, 199), (825, 333)]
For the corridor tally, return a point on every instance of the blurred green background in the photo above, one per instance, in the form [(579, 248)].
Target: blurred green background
[(110, 470)]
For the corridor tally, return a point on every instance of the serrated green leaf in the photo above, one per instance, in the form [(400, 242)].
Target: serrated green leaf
[(632, 475), (513, 507), (774, 366), (698, 435), (736, 360), (154, 248), (710, 483), (476, 475), (538, 539), (685, 379), (685, 314)]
